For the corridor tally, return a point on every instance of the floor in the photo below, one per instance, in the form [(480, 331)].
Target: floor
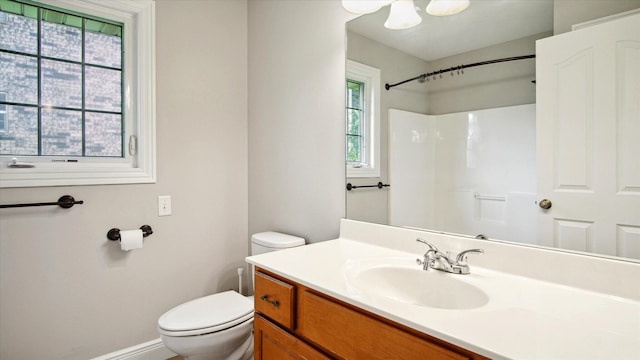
[(176, 358)]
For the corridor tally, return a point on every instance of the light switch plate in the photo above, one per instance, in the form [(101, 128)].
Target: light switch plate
[(164, 205)]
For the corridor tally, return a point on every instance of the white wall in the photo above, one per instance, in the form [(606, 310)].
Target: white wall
[(296, 117), (66, 292), (488, 86), (570, 12)]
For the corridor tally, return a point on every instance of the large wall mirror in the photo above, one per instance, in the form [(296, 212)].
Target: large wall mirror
[(459, 148)]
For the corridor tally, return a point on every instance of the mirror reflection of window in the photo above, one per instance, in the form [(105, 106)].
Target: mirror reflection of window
[(355, 122), (362, 120)]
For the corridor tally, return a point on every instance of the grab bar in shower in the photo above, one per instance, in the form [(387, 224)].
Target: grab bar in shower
[(65, 202), (487, 197)]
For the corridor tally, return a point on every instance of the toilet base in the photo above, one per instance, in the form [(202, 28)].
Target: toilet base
[(244, 352), (231, 344)]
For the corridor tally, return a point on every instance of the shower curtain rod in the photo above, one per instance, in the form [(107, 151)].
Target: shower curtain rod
[(424, 77)]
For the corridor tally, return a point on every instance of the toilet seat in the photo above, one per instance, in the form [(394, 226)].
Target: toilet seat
[(206, 315)]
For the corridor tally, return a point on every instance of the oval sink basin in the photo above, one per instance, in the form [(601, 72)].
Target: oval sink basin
[(410, 284)]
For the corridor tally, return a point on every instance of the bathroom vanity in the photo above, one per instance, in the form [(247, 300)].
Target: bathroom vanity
[(362, 296), (317, 321)]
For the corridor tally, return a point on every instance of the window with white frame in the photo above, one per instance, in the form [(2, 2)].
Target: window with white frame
[(80, 96), (362, 120)]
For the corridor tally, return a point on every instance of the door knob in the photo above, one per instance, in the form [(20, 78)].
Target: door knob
[(545, 204)]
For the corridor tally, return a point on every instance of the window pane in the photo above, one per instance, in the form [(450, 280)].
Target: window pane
[(21, 135), (61, 84), (102, 89), (103, 134), (61, 132), (102, 49), (353, 121), (3, 118), (19, 33), (3, 113), (353, 148), (19, 78), (51, 78), (354, 92), (100, 27), (59, 39)]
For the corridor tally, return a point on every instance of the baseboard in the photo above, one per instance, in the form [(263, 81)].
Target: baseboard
[(151, 350)]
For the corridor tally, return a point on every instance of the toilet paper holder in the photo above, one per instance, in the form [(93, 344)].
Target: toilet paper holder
[(114, 234)]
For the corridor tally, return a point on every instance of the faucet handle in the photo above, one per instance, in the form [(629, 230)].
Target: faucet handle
[(461, 259), (430, 245)]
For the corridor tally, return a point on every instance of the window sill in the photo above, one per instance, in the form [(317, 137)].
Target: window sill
[(65, 175), (362, 172)]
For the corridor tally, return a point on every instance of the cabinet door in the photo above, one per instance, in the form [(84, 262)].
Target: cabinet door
[(588, 122), (273, 343)]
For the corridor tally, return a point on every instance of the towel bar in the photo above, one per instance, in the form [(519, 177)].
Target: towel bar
[(65, 202)]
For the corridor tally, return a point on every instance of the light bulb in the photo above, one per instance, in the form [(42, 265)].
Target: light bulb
[(446, 7), (403, 15)]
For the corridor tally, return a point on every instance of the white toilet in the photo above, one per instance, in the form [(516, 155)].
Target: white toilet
[(219, 326)]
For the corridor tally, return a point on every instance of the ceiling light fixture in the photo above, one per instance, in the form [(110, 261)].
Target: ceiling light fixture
[(446, 7), (402, 15)]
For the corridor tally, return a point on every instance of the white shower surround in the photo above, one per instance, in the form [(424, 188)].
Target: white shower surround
[(469, 172)]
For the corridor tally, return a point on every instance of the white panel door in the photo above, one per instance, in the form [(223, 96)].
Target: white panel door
[(588, 138)]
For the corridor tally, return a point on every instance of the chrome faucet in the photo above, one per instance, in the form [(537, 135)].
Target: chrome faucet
[(436, 259), (428, 256)]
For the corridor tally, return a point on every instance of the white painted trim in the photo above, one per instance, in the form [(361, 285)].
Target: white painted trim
[(150, 350)]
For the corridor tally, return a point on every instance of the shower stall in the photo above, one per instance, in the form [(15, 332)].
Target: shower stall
[(470, 173)]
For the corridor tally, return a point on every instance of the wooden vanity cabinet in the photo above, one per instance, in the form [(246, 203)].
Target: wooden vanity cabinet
[(306, 324)]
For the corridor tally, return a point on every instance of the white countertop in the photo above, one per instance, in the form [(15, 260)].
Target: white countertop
[(525, 318)]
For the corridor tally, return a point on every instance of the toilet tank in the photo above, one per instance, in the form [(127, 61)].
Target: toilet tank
[(273, 241)]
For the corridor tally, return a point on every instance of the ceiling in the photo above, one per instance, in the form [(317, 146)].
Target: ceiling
[(483, 23)]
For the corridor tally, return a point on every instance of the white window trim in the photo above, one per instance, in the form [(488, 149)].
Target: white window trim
[(370, 76), (138, 17)]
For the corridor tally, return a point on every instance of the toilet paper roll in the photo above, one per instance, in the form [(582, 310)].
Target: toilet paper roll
[(130, 239)]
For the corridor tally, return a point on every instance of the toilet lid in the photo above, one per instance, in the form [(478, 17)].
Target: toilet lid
[(206, 314)]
